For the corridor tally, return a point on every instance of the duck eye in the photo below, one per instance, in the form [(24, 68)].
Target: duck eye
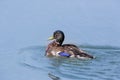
[(56, 35)]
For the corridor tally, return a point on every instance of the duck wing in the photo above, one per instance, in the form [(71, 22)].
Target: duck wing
[(74, 50), (69, 45)]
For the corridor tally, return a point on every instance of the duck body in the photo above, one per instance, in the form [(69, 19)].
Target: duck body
[(56, 48)]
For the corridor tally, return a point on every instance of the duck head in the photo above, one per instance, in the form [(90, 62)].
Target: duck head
[(58, 36)]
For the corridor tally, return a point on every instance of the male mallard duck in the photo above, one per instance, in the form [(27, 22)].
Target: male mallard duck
[(56, 48)]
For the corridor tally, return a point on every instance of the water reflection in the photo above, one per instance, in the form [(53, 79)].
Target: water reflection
[(53, 77)]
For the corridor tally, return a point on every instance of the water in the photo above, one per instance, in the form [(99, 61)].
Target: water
[(30, 63), (24, 23)]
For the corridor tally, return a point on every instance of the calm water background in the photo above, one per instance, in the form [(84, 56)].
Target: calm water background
[(25, 26)]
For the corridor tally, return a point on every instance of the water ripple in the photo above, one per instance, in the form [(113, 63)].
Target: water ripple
[(104, 67)]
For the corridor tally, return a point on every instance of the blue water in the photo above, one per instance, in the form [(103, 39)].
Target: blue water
[(30, 63), (25, 23)]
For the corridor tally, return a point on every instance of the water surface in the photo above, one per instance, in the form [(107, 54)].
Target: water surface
[(104, 67)]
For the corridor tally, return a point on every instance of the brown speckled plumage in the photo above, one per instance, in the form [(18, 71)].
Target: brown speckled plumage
[(55, 47)]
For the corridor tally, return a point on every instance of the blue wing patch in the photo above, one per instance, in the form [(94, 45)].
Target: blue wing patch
[(64, 54)]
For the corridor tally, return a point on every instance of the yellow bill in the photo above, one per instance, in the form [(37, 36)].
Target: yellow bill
[(51, 38)]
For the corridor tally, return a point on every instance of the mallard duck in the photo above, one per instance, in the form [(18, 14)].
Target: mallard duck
[(56, 48)]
